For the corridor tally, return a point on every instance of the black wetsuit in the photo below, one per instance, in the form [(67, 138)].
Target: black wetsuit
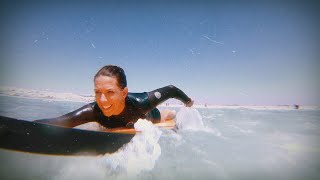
[(137, 105)]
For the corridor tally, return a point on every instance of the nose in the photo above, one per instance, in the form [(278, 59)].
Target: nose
[(103, 98)]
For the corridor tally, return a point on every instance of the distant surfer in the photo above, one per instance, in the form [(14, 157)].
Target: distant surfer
[(115, 107)]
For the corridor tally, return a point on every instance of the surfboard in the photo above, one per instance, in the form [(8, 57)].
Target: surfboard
[(33, 137), (169, 124)]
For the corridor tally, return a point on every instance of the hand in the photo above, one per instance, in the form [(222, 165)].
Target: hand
[(190, 103)]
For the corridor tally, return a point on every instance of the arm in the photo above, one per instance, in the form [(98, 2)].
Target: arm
[(80, 116), (154, 115), (158, 96)]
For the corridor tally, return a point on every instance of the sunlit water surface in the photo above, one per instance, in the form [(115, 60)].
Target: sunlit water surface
[(210, 144)]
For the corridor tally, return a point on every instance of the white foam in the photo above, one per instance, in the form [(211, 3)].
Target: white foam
[(138, 155), (190, 119)]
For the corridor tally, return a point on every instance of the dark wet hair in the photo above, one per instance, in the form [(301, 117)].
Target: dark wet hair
[(113, 71)]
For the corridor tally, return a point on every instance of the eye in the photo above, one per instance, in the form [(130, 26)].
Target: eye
[(110, 92)]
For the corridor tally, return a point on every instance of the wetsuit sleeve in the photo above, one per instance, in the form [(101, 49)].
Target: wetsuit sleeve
[(154, 115), (80, 116), (160, 95)]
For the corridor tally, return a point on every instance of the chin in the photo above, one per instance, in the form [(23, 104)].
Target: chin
[(107, 114)]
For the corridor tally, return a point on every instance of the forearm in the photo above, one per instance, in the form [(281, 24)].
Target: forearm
[(64, 121), (160, 95), (72, 119)]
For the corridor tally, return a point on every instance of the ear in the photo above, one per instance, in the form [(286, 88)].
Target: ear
[(125, 92)]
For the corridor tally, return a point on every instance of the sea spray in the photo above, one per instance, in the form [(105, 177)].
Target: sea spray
[(138, 155), (189, 118)]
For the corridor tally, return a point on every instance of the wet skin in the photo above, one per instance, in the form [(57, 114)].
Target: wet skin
[(109, 96)]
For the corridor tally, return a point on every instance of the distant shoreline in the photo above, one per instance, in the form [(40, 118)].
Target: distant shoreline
[(46, 95), (199, 106), (71, 97)]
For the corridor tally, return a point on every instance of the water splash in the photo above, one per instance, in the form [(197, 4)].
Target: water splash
[(128, 162), (190, 119), (139, 155)]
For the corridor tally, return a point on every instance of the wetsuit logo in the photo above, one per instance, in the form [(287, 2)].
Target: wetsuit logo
[(157, 94)]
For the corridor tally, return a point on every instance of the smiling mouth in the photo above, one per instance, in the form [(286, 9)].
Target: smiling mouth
[(106, 107)]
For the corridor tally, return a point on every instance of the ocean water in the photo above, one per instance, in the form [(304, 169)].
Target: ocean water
[(212, 143)]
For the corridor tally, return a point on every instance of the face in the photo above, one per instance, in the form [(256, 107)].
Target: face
[(109, 96)]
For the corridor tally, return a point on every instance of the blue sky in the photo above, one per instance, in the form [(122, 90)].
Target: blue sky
[(218, 52)]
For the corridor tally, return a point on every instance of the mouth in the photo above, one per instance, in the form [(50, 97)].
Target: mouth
[(106, 107)]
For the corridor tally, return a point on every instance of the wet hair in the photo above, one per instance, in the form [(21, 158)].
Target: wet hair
[(113, 71)]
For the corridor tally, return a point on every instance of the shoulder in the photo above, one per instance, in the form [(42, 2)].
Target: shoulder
[(89, 108), (138, 97), (140, 100)]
